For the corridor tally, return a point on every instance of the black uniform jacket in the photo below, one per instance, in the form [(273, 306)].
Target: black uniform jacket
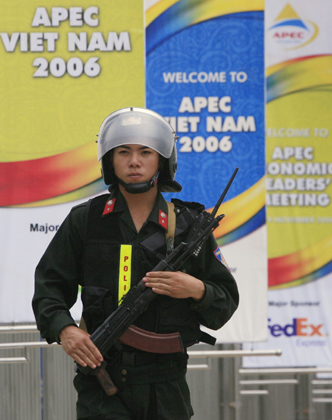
[(86, 251)]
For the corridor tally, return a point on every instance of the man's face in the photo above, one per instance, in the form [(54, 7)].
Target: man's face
[(134, 163)]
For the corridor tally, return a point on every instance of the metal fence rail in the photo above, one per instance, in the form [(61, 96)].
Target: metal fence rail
[(40, 375), (192, 354)]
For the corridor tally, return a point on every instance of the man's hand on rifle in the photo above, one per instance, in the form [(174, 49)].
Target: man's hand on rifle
[(78, 345), (176, 284)]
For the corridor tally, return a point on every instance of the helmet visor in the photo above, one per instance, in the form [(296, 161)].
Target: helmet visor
[(136, 126)]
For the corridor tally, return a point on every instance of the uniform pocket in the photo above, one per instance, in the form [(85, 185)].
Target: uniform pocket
[(176, 313), (97, 306)]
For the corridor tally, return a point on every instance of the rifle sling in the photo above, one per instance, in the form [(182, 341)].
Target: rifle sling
[(170, 234)]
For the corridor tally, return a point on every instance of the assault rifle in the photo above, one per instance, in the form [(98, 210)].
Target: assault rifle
[(118, 326)]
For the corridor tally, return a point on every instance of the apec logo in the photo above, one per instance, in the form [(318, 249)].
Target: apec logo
[(298, 327), (291, 32)]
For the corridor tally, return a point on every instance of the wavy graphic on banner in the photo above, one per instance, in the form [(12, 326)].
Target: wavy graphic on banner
[(298, 75), (51, 180), (168, 17), (311, 73), (301, 267)]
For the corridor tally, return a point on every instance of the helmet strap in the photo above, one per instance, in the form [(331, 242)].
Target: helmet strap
[(140, 187)]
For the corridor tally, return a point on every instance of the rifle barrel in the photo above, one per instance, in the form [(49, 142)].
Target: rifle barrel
[(221, 199)]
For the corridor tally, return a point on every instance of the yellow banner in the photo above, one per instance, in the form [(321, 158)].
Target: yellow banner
[(63, 69), (298, 138)]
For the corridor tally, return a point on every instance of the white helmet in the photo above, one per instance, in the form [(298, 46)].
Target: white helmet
[(144, 127)]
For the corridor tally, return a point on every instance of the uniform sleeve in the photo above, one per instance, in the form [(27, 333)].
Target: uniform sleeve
[(57, 277), (221, 297)]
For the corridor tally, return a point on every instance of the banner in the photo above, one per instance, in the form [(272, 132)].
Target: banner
[(200, 65), (299, 170), (205, 74), (63, 70)]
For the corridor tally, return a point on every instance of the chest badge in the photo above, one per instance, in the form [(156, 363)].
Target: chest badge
[(109, 206), (163, 219)]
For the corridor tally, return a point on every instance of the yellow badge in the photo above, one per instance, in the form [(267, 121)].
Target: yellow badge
[(124, 271)]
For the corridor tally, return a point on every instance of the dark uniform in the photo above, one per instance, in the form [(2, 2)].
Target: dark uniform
[(87, 251)]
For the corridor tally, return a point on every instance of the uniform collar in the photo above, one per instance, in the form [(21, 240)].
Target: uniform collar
[(115, 203), (159, 215)]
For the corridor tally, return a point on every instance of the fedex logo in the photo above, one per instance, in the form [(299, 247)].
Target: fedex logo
[(298, 327)]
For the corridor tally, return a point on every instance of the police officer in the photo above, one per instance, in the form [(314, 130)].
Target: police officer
[(109, 244)]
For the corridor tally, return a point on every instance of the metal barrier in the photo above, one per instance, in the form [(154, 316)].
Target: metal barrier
[(225, 353), (280, 371), (272, 371), (321, 391), (242, 390), (192, 354)]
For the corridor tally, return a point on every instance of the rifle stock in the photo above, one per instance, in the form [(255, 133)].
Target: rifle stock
[(104, 379)]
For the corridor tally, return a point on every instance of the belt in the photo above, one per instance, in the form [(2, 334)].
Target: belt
[(141, 359)]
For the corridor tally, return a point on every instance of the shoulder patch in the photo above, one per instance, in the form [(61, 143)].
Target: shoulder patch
[(217, 253)]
